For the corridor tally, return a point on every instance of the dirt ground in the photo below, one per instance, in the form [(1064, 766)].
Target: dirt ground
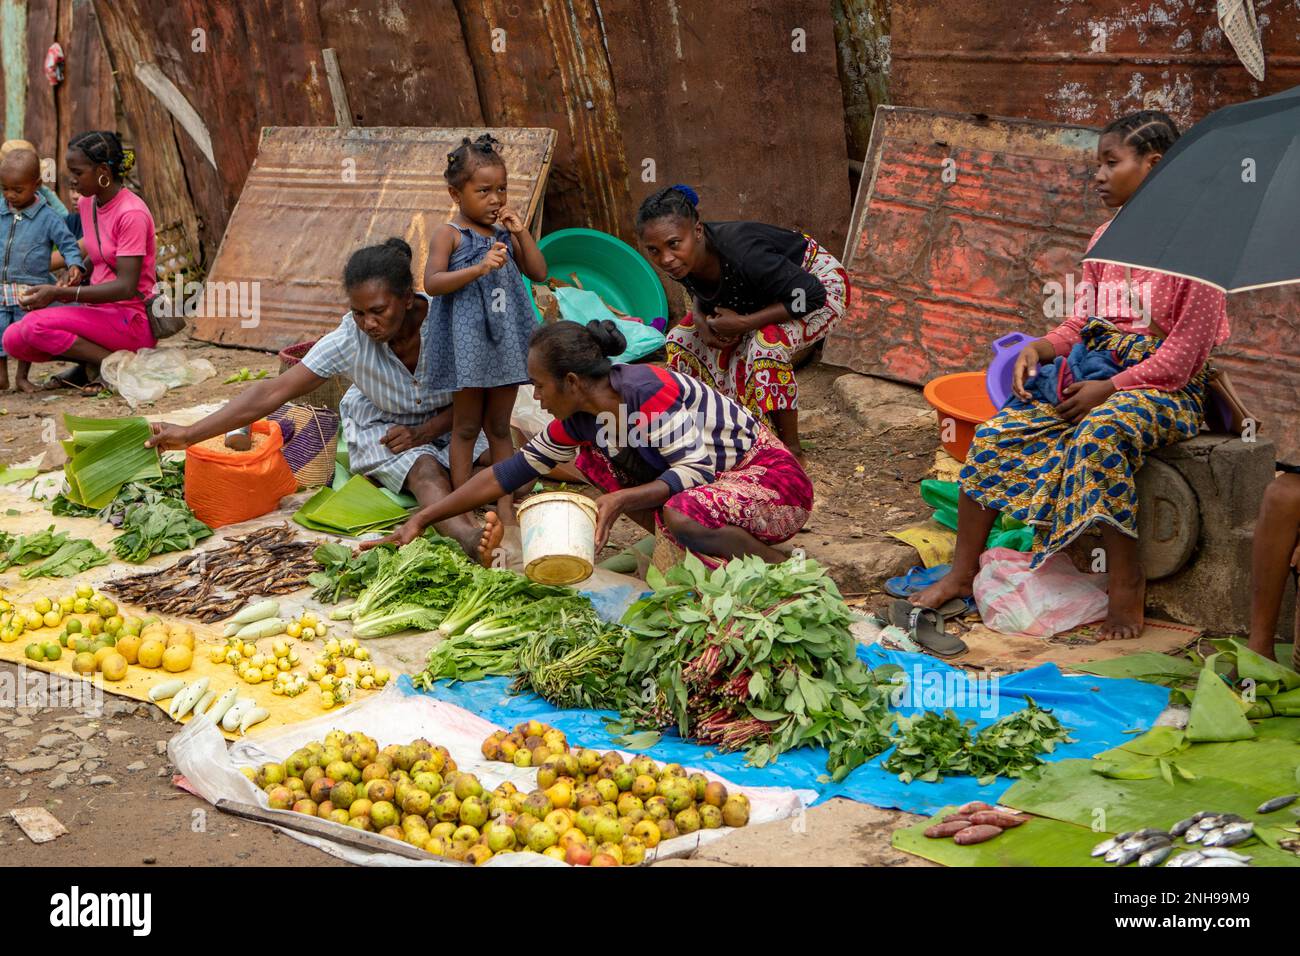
[(108, 781)]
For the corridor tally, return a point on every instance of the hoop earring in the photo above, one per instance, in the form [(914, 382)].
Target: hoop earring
[(105, 181)]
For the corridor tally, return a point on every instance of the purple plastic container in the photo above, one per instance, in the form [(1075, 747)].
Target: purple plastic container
[(997, 380)]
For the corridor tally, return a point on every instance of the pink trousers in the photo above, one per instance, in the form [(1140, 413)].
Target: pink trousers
[(45, 333)]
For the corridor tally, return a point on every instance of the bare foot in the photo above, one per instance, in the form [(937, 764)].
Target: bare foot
[(951, 585), (26, 387), (490, 541), (1125, 615)]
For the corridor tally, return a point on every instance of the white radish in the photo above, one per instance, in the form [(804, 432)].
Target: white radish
[(222, 705), (184, 702), (254, 715), (165, 689), (264, 628), (231, 720), (256, 612)]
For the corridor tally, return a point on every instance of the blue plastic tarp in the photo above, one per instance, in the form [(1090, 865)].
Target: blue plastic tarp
[(1097, 710)]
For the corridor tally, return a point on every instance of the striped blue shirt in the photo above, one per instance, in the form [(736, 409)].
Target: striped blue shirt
[(402, 397), (686, 432)]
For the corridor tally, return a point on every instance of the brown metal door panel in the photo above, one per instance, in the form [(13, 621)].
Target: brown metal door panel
[(300, 217), (1082, 62), (544, 64), (715, 95), (402, 65)]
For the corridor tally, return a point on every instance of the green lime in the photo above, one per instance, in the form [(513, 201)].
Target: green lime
[(35, 652), (53, 651), (74, 626)]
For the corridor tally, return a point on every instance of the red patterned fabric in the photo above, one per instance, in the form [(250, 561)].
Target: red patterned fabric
[(767, 494)]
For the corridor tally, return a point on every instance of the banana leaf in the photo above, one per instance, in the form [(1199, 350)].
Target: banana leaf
[(354, 509), (1256, 667), (1037, 842), (1157, 742), (1146, 666), (97, 470), (1043, 841), (1217, 713)]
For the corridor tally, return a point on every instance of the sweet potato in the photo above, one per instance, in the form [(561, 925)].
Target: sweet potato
[(997, 818), (946, 829), (973, 807), (956, 816), (976, 833)]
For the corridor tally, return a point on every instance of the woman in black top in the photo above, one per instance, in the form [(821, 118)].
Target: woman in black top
[(760, 294)]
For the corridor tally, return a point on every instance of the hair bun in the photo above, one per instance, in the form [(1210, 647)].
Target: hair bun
[(608, 337), (691, 195), (400, 245)]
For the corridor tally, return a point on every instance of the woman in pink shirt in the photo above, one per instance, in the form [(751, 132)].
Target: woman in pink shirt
[(109, 313), (1064, 459)]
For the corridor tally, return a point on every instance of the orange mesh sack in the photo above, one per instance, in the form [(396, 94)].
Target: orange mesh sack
[(224, 486)]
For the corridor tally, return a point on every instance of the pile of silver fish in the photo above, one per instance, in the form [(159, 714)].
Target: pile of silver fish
[(1214, 832)]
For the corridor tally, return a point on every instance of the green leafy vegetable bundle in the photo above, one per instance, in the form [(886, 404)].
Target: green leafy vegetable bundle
[(930, 746), (73, 557), (413, 586), (755, 656), (343, 574), (155, 527), (25, 548)]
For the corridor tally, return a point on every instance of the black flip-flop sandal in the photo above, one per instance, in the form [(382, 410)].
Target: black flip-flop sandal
[(926, 626)]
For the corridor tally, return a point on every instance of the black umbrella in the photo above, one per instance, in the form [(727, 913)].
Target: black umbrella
[(1223, 204)]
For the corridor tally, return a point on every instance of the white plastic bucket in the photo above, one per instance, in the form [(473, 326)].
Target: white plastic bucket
[(559, 537)]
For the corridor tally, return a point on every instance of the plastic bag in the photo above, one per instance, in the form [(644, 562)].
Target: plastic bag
[(146, 375), (1054, 598), (528, 416), (583, 305)]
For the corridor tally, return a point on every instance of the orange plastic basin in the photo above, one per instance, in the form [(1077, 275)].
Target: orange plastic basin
[(963, 400)]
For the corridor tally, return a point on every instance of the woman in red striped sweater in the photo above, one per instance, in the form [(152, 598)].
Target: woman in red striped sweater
[(666, 450)]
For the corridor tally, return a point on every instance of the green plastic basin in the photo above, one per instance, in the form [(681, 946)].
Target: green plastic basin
[(607, 266)]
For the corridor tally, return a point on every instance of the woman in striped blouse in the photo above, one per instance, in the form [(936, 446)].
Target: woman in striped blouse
[(666, 450)]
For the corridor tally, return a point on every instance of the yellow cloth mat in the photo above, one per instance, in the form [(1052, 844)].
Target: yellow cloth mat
[(32, 516)]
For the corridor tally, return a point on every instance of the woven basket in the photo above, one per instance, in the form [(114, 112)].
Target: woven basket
[(311, 440), (666, 553), (327, 395)]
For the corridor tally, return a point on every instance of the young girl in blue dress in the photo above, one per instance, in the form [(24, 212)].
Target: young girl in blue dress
[(482, 305)]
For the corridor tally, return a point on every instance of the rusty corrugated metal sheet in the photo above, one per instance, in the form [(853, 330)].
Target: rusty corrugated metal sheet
[(259, 65), (941, 269), (544, 64), (403, 65), (299, 219), (718, 97), (1072, 62)]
